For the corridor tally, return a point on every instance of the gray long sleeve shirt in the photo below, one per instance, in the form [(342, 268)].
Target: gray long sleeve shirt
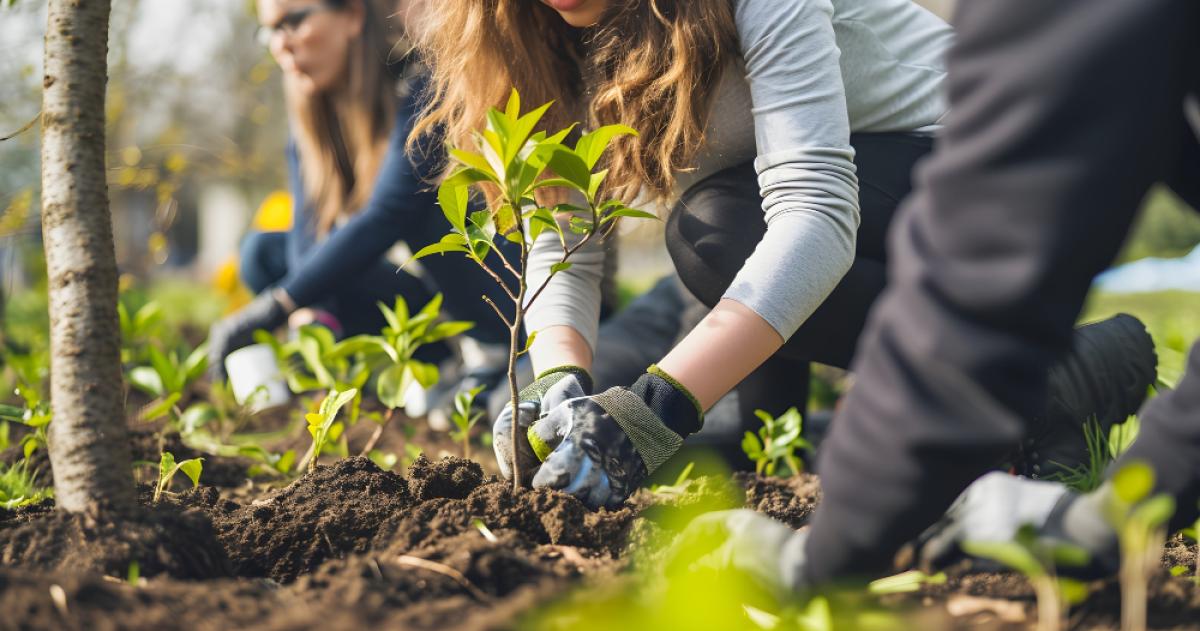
[(810, 72)]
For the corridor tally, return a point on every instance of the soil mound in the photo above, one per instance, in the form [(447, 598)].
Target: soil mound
[(329, 513)]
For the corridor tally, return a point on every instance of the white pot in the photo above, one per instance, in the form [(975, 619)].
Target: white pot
[(255, 377)]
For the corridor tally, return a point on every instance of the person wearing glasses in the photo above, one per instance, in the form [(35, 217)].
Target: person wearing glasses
[(351, 96)]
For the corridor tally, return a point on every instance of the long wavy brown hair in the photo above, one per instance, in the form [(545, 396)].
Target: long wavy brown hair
[(342, 134), (649, 64)]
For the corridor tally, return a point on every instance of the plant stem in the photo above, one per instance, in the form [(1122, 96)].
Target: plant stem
[(1048, 607), (371, 442), (514, 334)]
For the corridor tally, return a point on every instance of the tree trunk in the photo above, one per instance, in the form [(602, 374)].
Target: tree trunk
[(89, 448)]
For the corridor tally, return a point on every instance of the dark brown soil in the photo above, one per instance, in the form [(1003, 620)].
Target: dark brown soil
[(443, 547)]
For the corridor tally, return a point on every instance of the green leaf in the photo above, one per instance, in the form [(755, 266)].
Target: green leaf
[(146, 379), (571, 168), (471, 159), (1073, 592), (393, 382), (540, 221), (520, 130), (594, 184), (192, 469), (1067, 555), (162, 408), (529, 342), (147, 317), (453, 242), (591, 146), (1010, 554), (627, 212), (1133, 482), (453, 200), (444, 330), (751, 446), (166, 468), (196, 416), (195, 364), (1155, 511), (425, 374), (505, 218), (512, 109), (560, 267)]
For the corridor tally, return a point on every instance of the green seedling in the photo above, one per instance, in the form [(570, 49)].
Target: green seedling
[(167, 468), (1037, 559), (35, 416), (390, 354), (19, 487), (315, 361), (322, 424), (682, 482), (484, 530), (167, 378), (1140, 521), (776, 442), (513, 163), (133, 574), (138, 330), (905, 583), (465, 417)]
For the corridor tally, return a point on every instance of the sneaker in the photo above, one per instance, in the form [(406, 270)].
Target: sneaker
[(1105, 377)]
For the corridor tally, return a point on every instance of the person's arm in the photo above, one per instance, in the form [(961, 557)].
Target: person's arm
[(566, 315), (810, 197)]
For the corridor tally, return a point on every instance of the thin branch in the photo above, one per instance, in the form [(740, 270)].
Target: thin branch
[(504, 318), (504, 259), (495, 276), (24, 128), (444, 570)]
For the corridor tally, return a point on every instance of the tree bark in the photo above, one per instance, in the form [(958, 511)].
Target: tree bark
[(89, 448)]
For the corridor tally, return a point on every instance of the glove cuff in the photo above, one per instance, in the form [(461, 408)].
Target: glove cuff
[(670, 401), (546, 380)]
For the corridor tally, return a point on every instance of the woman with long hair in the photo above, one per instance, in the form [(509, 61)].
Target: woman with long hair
[(781, 134), (352, 94)]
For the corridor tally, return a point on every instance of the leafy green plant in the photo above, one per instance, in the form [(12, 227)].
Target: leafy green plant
[(1037, 560), (1140, 521), (678, 488), (512, 164), (314, 361), (322, 425), (19, 487), (167, 378), (391, 354), (35, 416), (776, 442), (138, 330), (465, 417), (167, 468)]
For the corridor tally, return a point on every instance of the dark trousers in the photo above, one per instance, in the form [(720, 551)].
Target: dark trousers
[(718, 222), (1062, 115)]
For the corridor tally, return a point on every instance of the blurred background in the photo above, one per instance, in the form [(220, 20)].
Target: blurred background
[(196, 134)]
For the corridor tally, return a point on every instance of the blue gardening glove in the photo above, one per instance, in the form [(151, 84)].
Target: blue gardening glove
[(994, 507), (600, 448), (237, 330), (768, 552), (547, 391)]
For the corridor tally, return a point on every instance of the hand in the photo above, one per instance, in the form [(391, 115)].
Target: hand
[(237, 330), (768, 552), (547, 391), (601, 448), (994, 507)]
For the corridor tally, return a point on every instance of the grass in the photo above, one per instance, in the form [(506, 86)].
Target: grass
[(1172, 317), (19, 487)]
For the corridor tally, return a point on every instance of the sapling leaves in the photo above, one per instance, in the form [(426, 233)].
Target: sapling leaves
[(776, 442), (321, 424), (167, 468), (592, 145)]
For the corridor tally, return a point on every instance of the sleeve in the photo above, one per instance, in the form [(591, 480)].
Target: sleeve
[(572, 297), (400, 200), (805, 162)]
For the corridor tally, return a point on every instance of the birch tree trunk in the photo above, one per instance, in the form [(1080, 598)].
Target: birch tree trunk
[(89, 449)]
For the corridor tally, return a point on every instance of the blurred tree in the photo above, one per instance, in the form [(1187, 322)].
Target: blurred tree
[(89, 449)]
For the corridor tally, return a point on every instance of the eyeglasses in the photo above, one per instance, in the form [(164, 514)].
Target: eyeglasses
[(288, 23)]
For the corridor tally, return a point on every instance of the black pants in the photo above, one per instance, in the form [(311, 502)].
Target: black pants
[(718, 222), (1063, 114)]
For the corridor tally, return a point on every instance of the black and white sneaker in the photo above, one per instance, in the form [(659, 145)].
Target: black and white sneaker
[(1105, 377)]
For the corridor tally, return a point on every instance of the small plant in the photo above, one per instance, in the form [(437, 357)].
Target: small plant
[(314, 361), (1038, 560), (322, 426), (19, 487), (464, 417), (776, 442), (391, 354), (682, 481), (138, 330), (1140, 521), (512, 165), (167, 468), (35, 416), (905, 582), (167, 378)]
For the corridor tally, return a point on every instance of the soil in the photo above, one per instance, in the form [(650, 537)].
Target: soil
[(444, 546)]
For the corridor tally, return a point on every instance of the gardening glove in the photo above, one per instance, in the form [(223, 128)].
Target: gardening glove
[(237, 330), (600, 448), (549, 389), (751, 544), (994, 507)]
